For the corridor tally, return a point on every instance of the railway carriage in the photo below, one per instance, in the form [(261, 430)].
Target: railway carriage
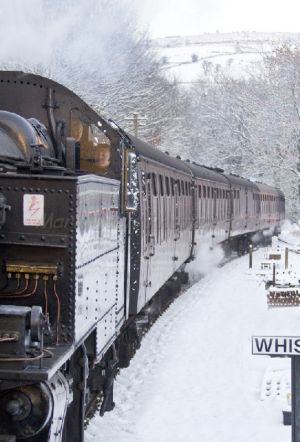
[(164, 221), (94, 224)]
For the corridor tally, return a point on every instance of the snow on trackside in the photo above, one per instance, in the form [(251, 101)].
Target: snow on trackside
[(194, 377)]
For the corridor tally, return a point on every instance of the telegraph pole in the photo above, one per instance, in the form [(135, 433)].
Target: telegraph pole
[(137, 121)]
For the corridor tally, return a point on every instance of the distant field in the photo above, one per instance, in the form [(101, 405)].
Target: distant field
[(189, 58)]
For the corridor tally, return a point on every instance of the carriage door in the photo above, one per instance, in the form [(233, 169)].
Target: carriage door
[(247, 208), (215, 219), (257, 207), (149, 246), (176, 223)]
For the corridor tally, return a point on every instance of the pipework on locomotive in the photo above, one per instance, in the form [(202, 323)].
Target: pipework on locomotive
[(95, 229)]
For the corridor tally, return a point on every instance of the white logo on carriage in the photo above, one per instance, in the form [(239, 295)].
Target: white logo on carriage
[(276, 345), (33, 210)]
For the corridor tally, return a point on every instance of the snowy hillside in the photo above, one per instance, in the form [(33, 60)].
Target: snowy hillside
[(195, 378), (237, 54)]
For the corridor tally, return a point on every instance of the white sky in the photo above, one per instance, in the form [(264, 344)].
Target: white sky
[(190, 17)]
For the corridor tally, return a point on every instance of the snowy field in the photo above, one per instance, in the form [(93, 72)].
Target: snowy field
[(194, 377), (236, 54)]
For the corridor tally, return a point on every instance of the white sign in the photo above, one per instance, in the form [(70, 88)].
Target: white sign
[(276, 345), (33, 210)]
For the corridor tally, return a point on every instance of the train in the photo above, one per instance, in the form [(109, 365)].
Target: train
[(96, 227)]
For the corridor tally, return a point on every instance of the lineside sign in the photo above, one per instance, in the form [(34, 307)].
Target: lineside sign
[(276, 345)]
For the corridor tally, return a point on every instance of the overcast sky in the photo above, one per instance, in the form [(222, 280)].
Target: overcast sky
[(188, 17)]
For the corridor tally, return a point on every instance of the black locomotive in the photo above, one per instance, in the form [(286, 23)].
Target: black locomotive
[(94, 224)]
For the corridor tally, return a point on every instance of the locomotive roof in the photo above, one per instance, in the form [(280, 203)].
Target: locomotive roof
[(30, 95)]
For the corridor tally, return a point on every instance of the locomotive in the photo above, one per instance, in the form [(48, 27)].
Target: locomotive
[(95, 229)]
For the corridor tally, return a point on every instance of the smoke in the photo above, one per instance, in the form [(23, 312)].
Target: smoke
[(206, 259), (80, 44)]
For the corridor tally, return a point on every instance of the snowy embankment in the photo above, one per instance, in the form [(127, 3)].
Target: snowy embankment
[(194, 377)]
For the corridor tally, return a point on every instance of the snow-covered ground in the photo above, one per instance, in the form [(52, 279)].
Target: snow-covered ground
[(194, 377), (237, 54)]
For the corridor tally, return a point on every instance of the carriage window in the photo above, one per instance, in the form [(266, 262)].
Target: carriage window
[(186, 188), (238, 194), (182, 187), (154, 184), (161, 185), (178, 187), (208, 192), (204, 192), (172, 186), (167, 186), (199, 191)]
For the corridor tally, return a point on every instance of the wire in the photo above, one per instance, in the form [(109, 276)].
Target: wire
[(30, 293), (24, 289), (19, 294)]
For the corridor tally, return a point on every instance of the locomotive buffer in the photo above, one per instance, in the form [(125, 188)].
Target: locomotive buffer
[(284, 346)]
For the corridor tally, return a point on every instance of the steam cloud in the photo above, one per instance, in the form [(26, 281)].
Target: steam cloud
[(76, 43), (207, 258)]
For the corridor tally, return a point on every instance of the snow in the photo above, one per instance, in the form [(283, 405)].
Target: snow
[(236, 54), (194, 377)]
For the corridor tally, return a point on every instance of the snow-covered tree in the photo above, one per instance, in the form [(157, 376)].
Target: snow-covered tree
[(251, 126), (95, 48)]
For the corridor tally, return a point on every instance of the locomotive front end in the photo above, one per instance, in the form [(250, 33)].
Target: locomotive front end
[(62, 253)]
